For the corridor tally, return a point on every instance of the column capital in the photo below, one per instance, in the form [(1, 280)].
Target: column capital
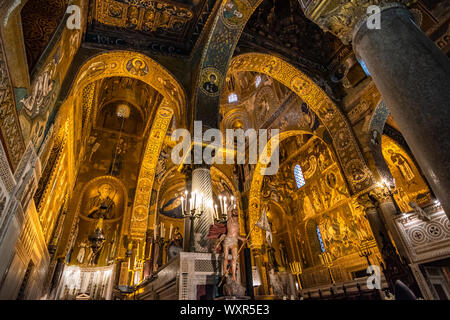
[(372, 199), (342, 17), (367, 202)]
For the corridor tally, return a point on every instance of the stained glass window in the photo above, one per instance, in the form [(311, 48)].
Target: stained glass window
[(319, 236), (298, 174)]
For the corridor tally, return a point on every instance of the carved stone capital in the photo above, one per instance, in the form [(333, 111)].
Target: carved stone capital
[(366, 202), (342, 17), (381, 195)]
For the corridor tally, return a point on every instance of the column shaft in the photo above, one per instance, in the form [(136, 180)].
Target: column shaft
[(413, 76), (388, 211)]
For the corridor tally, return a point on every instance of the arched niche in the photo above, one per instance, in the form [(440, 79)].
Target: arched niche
[(310, 170), (104, 196)]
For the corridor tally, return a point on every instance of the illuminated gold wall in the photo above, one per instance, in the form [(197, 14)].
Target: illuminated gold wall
[(323, 201), (410, 185)]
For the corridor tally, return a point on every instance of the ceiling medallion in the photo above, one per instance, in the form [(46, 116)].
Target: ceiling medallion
[(235, 12), (211, 81)]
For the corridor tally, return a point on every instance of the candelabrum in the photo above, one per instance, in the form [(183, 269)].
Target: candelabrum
[(223, 202), (325, 259), (388, 190), (364, 250), (196, 208), (197, 205), (137, 267), (296, 269)]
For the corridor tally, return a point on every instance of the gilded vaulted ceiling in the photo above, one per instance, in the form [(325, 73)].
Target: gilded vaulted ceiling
[(168, 27), (39, 25), (281, 27)]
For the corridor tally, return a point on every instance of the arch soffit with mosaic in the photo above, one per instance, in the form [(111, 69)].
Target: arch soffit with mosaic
[(219, 45), (375, 131)]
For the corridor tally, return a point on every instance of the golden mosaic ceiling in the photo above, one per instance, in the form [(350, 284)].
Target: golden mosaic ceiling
[(168, 26)]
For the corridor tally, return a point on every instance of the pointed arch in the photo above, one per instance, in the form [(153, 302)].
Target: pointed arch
[(336, 123), (134, 65), (355, 169), (138, 66)]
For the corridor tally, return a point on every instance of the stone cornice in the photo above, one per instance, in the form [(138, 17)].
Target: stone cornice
[(341, 17)]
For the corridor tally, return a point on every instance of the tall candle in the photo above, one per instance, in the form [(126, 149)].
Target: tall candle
[(182, 205), (143, 251), (137, 250), (225, 205), (195, 199), (170, 232), (221, 204)]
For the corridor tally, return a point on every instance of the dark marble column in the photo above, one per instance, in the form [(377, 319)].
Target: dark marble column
[(394, 266), (376, 225), (388, 211), (413, 76)]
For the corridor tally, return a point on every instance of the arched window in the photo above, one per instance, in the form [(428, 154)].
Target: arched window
[(257, 81), (319, 236), (232, 98), (298, 174)]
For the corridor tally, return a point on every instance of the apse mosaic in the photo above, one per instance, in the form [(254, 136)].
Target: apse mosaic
[(101, 205)]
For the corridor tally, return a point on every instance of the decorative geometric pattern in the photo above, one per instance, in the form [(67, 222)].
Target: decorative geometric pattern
[(319, 236), (434, 230), (146, 178), (39, 25), (425, 239), (206, 266), (201, 181)]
